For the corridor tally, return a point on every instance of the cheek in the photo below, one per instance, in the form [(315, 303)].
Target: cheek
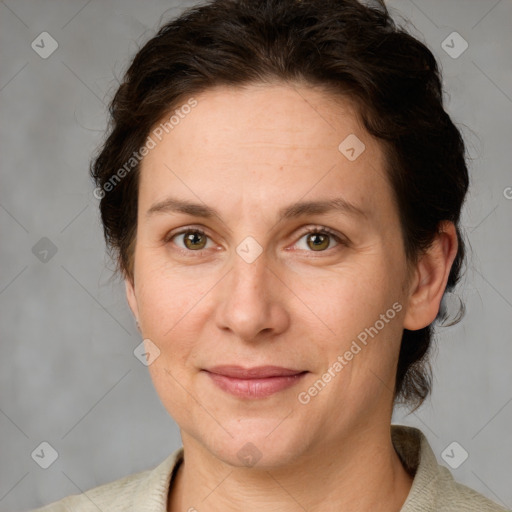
[(355, 295), (167, 299), (364, 308), (168, 311)]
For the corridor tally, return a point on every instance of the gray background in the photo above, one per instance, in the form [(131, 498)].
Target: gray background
[(68, 373)]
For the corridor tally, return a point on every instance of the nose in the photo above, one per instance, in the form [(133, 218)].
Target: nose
[(252, 303)]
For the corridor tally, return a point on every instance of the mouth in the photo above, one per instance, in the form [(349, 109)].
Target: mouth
[(252, 383)]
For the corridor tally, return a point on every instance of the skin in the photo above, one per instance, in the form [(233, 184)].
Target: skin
[(248, 153)]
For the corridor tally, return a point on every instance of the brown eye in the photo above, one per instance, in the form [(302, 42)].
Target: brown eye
[(195, 240), (191, 240), (318, 241)]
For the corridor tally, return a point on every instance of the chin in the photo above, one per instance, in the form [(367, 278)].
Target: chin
[(258, 443)]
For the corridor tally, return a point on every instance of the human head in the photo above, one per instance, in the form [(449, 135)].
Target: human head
[(350, 50)]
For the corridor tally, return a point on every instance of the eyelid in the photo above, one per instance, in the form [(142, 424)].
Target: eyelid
[(181, 231), (340, 239)]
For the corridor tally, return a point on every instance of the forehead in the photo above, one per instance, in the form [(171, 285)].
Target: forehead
[(261, 146)]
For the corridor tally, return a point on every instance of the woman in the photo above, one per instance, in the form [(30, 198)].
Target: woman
[(282, 188)]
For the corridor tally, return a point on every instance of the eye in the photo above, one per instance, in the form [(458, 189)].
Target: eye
[(316, 239), (193, 239), (319, 239)]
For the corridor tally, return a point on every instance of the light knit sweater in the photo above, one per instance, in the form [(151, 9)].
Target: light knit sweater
[(433, 488)]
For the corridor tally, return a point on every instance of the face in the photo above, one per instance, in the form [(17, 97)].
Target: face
[(240, 281)]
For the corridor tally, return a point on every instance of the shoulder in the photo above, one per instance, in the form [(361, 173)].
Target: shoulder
[(434, 489), (454, 496), (112, 496), (148, 487)]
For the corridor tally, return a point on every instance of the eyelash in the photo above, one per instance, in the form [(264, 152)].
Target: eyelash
[(313, 230)]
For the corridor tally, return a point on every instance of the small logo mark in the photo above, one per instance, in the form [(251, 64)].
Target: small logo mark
[(45, 455), (454, 45), (146, 352), (44, 45), (351, 147), (44, 250), (454, 455), (249, 455), (249, 249)]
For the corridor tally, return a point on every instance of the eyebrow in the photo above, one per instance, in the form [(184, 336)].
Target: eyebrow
[(301, 208)]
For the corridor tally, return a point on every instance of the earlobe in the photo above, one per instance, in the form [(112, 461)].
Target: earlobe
[(430, 279), (130, 297)]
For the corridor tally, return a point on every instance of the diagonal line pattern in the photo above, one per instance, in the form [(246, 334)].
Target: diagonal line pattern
[(501, 409), (13, 279), (492, 81), (81, 490), (82, 82), (199, 199), (313, 108), (5, 495), (217, 486), (74, 218), (5, 5), (300, 299), (198, 402), (192, 307), (285, 490), (14, 218), (75, 15), (424, 13), (381, 381), (490, 490), (485, 15), (424, 424), (279, 424), (104, 395), (14, 423), (15, 75), (483, 220), (309, 190), (493, 287), (95, 300), (413, 413)]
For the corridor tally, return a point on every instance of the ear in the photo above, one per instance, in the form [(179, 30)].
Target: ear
[(130, 297), (430, 277)]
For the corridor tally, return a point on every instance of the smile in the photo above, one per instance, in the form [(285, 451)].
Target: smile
[(254, 383)]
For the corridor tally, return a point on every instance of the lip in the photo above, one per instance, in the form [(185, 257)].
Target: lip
[(257, 372), (257, 382)]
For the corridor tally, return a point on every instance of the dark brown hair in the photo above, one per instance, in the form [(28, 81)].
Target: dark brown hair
[(356, 51)]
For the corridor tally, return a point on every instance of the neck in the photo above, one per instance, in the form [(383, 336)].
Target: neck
[(360, 474)]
